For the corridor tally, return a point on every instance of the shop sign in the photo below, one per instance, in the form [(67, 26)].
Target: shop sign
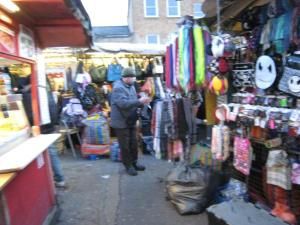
[(26, 43), (7, 40)]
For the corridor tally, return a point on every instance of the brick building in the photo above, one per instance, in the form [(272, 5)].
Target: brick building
[(149, 21)]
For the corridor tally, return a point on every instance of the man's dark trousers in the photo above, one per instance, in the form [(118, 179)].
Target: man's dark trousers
[(128, 145)]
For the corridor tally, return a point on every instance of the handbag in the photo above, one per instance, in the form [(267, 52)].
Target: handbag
[(290, 81), (98, 73), (242, 155), (243, 75)]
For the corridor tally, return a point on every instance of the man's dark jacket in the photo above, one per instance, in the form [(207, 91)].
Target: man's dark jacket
[(124, 102)]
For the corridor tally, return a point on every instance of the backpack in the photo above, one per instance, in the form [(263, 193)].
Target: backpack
[(88, 97)]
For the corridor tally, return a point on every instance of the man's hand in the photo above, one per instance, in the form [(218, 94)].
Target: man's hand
[(145, 100)]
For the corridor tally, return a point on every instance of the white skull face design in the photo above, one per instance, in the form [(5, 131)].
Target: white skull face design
[(265, 73), (217, 47), (213, 66), (294, 84)]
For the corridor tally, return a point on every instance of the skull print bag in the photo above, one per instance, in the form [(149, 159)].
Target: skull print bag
[(290, 81), (243, 75)]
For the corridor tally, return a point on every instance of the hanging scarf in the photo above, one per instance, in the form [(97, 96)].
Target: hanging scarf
[(159, 91), (171, 60), (220, 142), (296, 26), (208, 58), (168, 68), (192, 61), (199, 55), (181, 56), (184, 56), (176, 64), (156, 134)]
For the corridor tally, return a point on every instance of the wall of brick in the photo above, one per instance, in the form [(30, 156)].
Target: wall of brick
[(161, 25)]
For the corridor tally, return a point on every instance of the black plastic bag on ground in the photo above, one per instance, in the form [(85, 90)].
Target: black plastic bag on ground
[(191, 188)]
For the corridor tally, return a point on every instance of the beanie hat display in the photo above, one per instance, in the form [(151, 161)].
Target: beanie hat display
[(217, 47), (218, 85), (213, 67), (128, 72), (223, 65)]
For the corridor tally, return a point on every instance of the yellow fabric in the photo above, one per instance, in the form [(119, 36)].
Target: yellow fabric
[(210, 107)]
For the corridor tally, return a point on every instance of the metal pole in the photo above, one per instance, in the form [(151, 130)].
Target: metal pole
[(218, 17)]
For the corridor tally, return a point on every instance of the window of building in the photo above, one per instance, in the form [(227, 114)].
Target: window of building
[(151, 8), (173, 8), (152, 39), (198, 13)]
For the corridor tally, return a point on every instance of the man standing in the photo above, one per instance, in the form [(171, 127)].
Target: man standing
[(124, 105)]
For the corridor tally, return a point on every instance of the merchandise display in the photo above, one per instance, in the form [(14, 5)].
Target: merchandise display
[(254, 68), (14, 125), (5, 83)]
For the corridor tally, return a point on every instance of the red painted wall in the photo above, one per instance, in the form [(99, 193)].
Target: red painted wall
[(30, 196)]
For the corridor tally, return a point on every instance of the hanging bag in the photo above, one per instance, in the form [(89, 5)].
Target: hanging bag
[(98, 73), (243, 75), (114, 72), (242, 155), (290, 81)]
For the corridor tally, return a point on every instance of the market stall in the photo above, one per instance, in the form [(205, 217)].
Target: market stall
[(249, 66), (85, 77)]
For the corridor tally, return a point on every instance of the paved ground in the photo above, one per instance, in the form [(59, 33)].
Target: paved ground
[(100, 193)]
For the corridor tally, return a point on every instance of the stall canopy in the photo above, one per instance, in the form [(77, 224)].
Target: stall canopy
[(230, 8), (57, 23)]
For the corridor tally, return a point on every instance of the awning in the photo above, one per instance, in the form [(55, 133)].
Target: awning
[(57, 23), (230, 8), (130, 48)]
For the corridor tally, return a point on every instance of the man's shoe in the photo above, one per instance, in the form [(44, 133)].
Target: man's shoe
[(138, 167), (131, 171), (60, 184)]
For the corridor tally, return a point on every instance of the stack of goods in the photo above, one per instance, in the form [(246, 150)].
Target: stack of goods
[(5, 83), (96, 138)]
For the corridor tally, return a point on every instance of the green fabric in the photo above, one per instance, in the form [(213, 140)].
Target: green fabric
[(199, 51)]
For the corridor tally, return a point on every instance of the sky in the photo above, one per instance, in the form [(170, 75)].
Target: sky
[(107, 12)]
